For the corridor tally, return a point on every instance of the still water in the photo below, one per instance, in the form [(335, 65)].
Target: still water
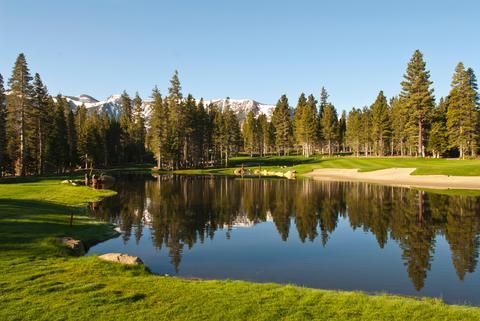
[(332, 235)]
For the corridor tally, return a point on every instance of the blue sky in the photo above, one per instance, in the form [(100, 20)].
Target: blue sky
[(241, 49)]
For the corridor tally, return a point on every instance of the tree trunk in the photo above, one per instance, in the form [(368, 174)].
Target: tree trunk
[(421, 150)]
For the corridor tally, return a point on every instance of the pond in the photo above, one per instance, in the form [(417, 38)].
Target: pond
[(330, 235)]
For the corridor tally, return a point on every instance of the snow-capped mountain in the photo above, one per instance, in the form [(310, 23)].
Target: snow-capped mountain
[(112, 105), (243, 106)]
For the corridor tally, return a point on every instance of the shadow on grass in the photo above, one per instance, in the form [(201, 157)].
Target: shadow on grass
[(34, 179), (30, 227)]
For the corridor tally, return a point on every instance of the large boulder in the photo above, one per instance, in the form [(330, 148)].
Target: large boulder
[(76, 246), (121, 258)]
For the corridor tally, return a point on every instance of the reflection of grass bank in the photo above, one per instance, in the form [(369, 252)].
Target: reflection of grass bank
[(41, 281)]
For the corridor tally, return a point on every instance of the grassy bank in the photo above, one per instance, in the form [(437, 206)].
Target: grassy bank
[(43, 281), (424, 166)]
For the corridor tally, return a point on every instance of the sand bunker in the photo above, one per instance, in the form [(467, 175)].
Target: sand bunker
[(397, 177)]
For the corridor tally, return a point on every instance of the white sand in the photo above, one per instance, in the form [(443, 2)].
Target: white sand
[(397, 177)]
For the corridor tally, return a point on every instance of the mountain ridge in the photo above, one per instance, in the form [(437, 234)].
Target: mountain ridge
[(111, 105)]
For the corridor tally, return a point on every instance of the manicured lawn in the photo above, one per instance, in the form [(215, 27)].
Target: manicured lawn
[(425, 166), (42, 281)]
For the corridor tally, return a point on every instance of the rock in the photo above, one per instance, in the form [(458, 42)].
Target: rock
[(74, 183), (75, 245), (121, 258), (290, 174), (239, 171)]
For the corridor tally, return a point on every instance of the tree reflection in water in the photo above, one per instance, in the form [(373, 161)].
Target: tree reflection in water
[(184, 210)]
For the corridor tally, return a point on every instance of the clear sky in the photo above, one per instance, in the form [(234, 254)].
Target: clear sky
[(241, 49)]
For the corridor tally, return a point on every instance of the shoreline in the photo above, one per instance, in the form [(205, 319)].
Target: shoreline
[(46, 276), (397, 177)]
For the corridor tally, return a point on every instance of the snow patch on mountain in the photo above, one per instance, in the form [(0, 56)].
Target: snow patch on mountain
[(242, 107), (112, 106)]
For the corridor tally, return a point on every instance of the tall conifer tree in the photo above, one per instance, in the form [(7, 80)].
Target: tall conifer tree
[(354, 128), (158, 126), (298, 127), (380, 123), (310, 125), (437, 138), (282, 123), (250, 133), (81, 124), (138, 128), (3, 133), (125, 125), (418, 98), (41, 122), (329, 125), (462, 114), (19, 116)]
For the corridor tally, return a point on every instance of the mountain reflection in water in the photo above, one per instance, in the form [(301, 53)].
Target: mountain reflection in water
[(182, 212)]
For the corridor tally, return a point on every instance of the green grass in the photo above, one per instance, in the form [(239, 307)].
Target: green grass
[(40, 280), (424, 166)]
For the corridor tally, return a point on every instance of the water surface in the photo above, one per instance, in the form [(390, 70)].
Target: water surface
[(333, 235)]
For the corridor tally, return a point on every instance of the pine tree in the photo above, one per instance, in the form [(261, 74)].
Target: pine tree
[(321, 107), (177, 121), (158, 126), (112, 139), (298, 126), (250, 133), (58, 149), (138, 128), (200, 135), (342, 131), (282, 124), (366, 130), (175, 89), (94, 139), (218, 132), (19, 119), (81, 126), (462, 114), (418, 98), (473, 83), (125, 125), (438, 139), (188, 109), (329, 125), (380, 123), (41, 122), (103, 142), (354, 129), (310, 125), (3, 133), (399, 117), (267, 134), (71, 136), (231, 127)]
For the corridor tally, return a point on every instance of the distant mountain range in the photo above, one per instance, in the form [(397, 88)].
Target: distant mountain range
[(111, 105)]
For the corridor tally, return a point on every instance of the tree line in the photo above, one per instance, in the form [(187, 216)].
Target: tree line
[(408, 124), (40, 133)]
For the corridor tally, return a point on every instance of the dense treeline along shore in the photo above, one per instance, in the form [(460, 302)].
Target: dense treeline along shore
[(43, 134)]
